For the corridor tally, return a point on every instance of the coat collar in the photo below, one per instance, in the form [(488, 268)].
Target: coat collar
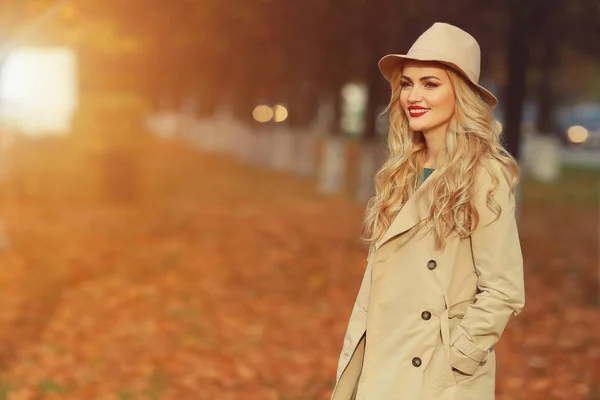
[(408, 216)]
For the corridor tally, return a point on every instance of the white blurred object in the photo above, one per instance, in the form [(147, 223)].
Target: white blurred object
[(543, 157), (354, 106), (164, 124), (198, 133), (304, 152), (283, 149), (325, 119), (333, 165), (264, 148), (224, 123), (241, 138), (370, 162), (39, 90)]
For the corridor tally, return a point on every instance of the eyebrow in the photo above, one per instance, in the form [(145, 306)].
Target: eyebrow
[(424, 78)]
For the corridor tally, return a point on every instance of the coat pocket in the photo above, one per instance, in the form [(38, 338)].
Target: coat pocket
[(439, 373)]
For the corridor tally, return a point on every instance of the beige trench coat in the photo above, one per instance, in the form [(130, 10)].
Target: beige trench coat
[(425, 322)]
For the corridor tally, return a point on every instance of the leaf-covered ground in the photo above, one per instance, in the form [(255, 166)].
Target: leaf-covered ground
[(193, 276)]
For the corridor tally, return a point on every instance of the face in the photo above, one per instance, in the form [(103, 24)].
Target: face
[(426, 97)]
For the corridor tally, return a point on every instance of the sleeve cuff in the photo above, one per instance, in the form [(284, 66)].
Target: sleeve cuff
[(464, 355)]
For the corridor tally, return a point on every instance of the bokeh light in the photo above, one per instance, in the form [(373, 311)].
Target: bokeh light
[(577, 134), (262, 113), (280, 113)]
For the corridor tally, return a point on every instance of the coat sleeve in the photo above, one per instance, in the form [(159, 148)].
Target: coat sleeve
[(499, 267)]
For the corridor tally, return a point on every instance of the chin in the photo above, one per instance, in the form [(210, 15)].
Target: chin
[(417, 127)]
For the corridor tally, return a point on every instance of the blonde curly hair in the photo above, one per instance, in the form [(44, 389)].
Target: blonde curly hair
[(471, 143)]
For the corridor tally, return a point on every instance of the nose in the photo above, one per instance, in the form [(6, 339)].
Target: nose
[(415, 95)]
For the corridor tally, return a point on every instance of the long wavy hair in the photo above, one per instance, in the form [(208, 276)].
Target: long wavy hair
[(471, 142)]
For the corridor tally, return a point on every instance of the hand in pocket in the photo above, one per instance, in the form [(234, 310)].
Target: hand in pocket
[(459, 376)]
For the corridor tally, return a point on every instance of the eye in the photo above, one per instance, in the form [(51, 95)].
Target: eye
[(431, 85), (404, 85)]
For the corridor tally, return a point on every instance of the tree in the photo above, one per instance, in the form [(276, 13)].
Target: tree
[(536, 32)]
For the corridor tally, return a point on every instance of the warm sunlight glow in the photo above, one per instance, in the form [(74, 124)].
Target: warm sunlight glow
[(38, 90)]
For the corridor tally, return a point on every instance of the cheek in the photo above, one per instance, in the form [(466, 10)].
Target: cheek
[(403, 99), (443, 102)]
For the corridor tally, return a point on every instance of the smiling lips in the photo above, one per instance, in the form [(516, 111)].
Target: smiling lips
[(415, 111)]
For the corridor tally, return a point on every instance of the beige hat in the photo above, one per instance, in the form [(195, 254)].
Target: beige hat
[(448, 45)]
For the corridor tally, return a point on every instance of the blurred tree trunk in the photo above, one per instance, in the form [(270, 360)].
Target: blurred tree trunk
[(546, 90), (376, 96), (551, 30), (374, 80), (336, 96), (515, 88), (242, 100), (302, 105)]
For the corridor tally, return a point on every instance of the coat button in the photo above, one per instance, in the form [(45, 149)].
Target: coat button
[(426, 315), (416, 362), (431, 264)]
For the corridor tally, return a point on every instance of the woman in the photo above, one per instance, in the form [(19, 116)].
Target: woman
[(444, 271)]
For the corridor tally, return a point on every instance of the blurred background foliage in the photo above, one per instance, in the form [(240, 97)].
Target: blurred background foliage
[(300, 51)]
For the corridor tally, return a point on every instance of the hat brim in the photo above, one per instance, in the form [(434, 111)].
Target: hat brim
[(390, 62)]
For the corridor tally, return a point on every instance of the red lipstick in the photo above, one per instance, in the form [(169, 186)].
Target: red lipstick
[(417, 111)]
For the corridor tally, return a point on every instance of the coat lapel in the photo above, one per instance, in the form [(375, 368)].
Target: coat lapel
[(407, 217)]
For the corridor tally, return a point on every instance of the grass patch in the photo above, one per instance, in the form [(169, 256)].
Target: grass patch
[(49, 386), (4, 390), (577, 186), (125, 396), (158, 384)]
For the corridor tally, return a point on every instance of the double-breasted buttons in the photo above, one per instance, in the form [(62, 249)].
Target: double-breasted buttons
[(431, 264), (416, 362), (426, 315)]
